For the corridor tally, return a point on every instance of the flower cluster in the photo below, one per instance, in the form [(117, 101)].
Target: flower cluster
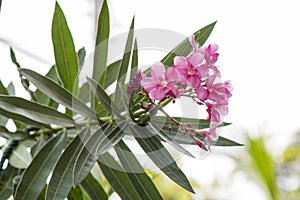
[(195, 76)]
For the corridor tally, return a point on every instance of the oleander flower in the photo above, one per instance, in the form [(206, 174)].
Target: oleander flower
[(160, 82)]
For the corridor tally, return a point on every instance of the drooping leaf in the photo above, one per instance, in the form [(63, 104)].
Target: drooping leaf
[(34, 111), (64, 50), (103, 98), (117, 178), (184, 48), (162, 158), (58, 93), (173, 143), (35, 175), (101, 46), (19, 118), (20, 157), (61, 181), (39, 95), (140, 180), (93, 188), (87, 156)]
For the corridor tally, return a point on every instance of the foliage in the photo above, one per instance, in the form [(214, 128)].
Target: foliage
[(69, 145)]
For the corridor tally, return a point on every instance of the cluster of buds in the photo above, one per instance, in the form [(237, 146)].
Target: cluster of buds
[(195, 76)]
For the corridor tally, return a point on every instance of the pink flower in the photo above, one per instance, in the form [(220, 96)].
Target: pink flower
[(189, 73), (135, 82), (217, 91), (210, 54), (216, 110), (160, 83)]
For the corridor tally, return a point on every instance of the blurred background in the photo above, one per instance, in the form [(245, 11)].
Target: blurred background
[(258, 43)]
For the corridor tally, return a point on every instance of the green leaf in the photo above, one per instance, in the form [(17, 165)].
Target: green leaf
[(184, 48), (61, 181), (34, 111), (93, 188), (112, 73), (39, 95), (101, 46), (84, 93), (11, 89), (20, 157), (87, 157), (13, 58), (124, 63), (3, 89), (19, 118), (34, 177), (103, 98), (58, 93), (6, 185), (64, 50), (81, 56), (18, 135), (42, 194), (263, 164), (126, 56), (173, 143), (116, 177), (75, 194), (163, 159), (134, 60), (140, 180)]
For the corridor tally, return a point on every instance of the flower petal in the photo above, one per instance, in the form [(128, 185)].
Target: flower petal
[(158, 71)]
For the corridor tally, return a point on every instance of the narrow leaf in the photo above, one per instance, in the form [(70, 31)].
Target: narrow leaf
[(58, 93), (169, 140), (184, 48), (34, 111), (3, 90), (19, 118), (64, 50), (112, 73), (124, 63), (134, 60), (103, 98), (61, 181), (34, 177), (140, 180), (101, 46), (93, 188), (87, 157), (163, 159), (116, 177), (126, 55)]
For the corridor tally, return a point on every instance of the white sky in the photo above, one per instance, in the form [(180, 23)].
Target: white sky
[(258, 43)]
